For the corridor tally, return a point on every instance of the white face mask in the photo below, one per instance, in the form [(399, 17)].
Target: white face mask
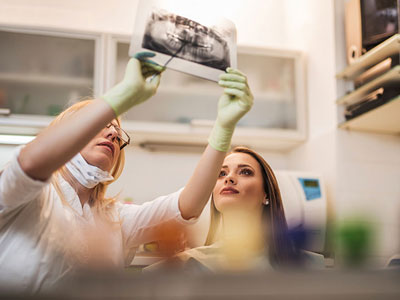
[(86, 174)]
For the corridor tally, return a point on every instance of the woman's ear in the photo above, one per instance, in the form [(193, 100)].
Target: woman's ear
[(265, 200)]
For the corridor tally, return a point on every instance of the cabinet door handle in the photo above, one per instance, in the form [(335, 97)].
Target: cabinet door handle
[(202, 123)]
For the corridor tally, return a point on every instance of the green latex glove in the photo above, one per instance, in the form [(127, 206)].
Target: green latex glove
[(134, 88), (233, 105)]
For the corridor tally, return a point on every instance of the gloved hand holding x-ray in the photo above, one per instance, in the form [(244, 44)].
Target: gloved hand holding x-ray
[(198, 47), (232, 106), (135, 86), (209, 52)]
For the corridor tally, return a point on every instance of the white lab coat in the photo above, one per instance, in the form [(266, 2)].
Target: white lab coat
[(37, 230)]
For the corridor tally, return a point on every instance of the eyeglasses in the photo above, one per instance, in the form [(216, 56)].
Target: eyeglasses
[(123, 137)]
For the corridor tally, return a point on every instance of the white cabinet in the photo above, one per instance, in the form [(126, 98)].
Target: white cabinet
[(185, 107), (42, 71)]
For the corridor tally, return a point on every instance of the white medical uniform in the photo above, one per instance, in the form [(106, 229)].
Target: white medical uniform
[(36, 229)]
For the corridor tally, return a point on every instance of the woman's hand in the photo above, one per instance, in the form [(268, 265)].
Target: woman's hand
[(134, 88), (232, 106)]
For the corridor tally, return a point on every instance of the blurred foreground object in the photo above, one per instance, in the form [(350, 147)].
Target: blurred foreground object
[(326, 285), (171, 239), (394, 261), (355, 241), (242, 241)]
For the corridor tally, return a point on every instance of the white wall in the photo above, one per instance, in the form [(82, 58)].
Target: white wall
[(313, 31), (90, 15), (118, 16), (368, 187)]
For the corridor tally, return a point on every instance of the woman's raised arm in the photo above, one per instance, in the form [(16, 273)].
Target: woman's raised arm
[(57, 144), (232, 106)]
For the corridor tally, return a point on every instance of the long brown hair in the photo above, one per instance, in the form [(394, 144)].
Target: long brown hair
[(97, 198), (280, 249)]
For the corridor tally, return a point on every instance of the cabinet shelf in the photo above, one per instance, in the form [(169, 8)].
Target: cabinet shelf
[(390, 77), (19, 124), (383, 119), (46, 79), (372, 57)]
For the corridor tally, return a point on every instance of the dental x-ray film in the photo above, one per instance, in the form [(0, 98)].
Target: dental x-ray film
[(203, 47)]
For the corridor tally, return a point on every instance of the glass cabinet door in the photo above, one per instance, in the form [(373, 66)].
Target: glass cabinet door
[(41, 72), (186, 99), (272, 81)]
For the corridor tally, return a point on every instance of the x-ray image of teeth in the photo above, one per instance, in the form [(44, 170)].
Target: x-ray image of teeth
[(175, 35), (202, 44)]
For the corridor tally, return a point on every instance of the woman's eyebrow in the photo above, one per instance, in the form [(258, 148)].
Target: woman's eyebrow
[(244, 165), (239, 166)]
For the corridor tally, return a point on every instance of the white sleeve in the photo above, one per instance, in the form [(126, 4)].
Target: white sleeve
[(16, 187), (139, 222)]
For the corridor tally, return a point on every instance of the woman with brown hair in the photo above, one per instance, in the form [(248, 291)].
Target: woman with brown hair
[(247, 225), (54, 216), (247, 187)]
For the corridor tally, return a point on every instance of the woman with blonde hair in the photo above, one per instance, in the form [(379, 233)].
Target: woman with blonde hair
[(54, 216)]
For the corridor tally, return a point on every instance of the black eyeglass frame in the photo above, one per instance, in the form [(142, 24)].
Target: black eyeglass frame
[(116, 127)]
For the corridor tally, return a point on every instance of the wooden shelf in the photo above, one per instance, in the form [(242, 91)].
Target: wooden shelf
[(46, 79), (383, 119), (372, 57), (390, 77)]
